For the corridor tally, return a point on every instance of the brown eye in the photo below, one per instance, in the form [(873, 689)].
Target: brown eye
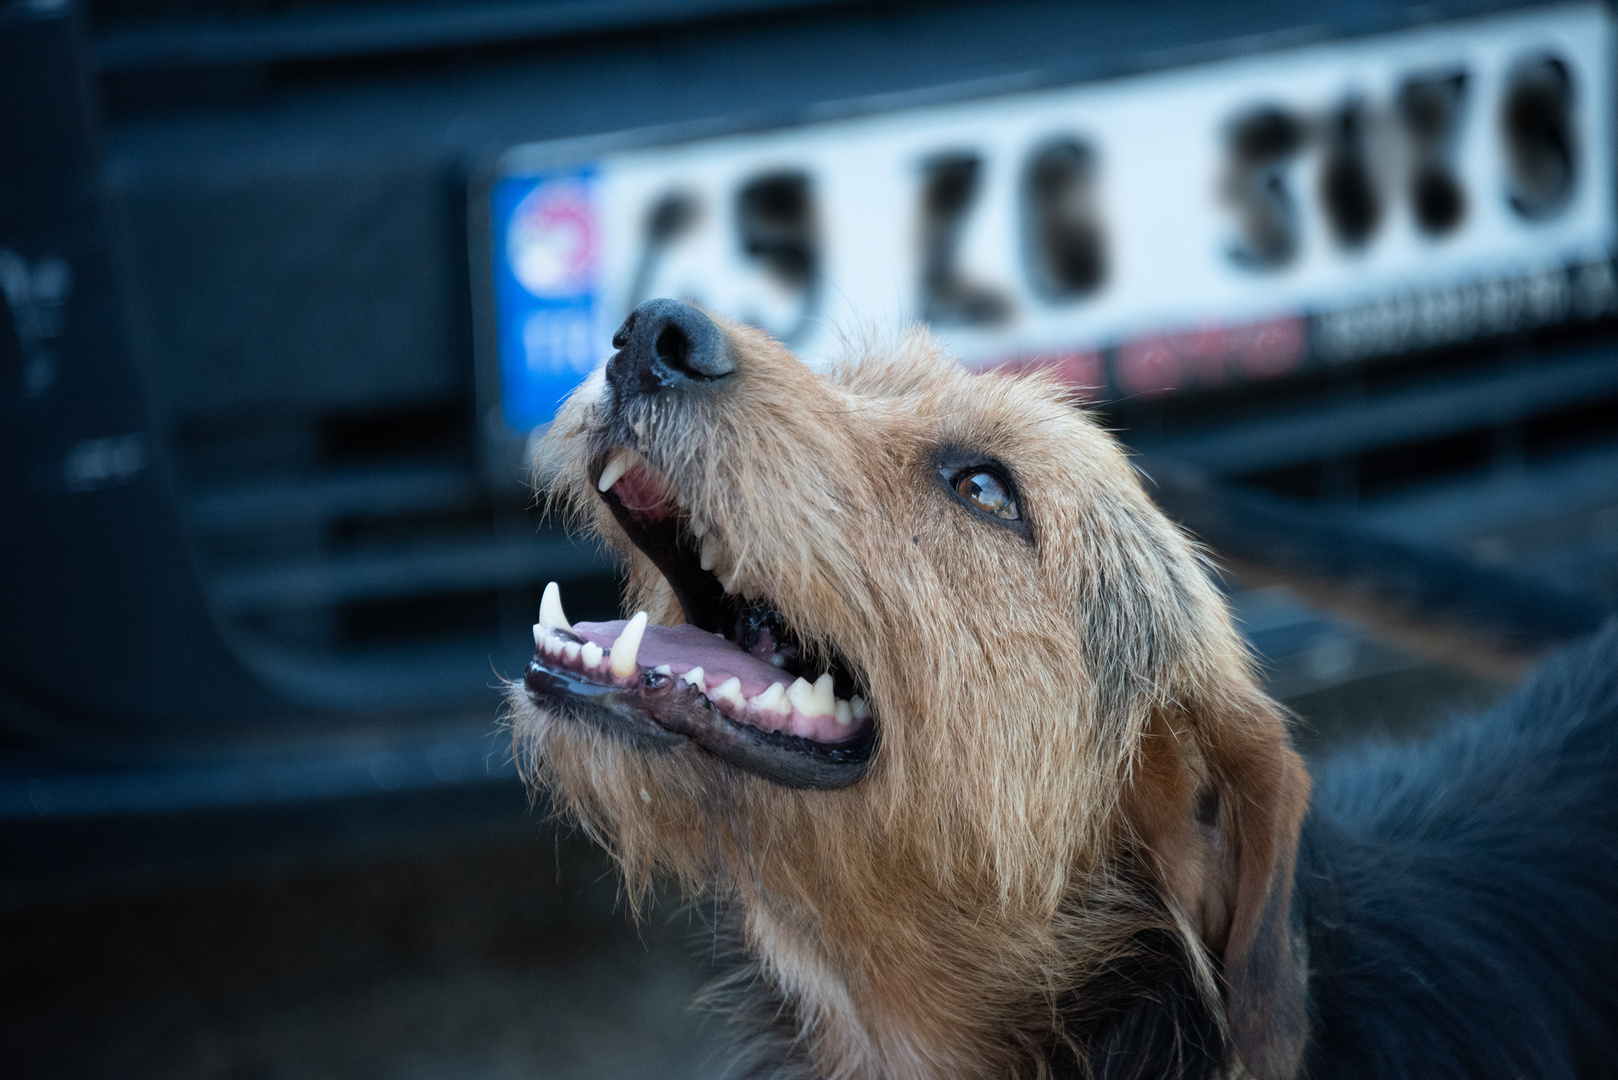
[(988, 492)]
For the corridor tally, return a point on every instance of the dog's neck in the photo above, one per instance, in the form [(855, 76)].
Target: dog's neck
[(874, 999), (938, 994)]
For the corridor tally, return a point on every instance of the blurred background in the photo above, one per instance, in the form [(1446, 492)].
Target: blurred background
[(289, 284)]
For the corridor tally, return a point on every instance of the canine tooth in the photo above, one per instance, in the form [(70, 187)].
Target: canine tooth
[(730, 692), (698, 529), (825, 698), (773, 700), (859, 709), (570, 651), (723, 560), (550, 609), (802, 696), (621, 462), (627, 645), (694, 677), (591, 654), (844, 714), (711, 550)]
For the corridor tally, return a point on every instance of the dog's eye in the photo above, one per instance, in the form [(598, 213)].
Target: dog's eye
[(988, 491)]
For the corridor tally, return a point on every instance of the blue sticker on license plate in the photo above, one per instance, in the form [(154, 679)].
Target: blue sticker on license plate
[(546, 248)]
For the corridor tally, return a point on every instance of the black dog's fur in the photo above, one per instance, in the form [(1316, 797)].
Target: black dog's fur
[(1460, 896), (1144, 1019)]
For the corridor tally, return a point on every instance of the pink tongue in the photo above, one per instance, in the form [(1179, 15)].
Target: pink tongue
[(685, 647)]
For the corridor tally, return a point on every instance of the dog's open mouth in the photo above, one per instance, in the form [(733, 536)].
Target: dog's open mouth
[(734, 679)]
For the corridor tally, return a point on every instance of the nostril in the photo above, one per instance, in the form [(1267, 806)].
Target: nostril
[(621, 337), (673, 347), (686, 344)]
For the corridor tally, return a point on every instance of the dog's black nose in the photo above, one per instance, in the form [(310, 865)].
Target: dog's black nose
[(665, 344)]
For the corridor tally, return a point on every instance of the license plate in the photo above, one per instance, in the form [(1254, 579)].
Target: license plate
[(1238, 220)]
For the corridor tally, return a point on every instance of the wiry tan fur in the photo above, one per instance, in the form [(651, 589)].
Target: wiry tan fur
[(1050, 714)]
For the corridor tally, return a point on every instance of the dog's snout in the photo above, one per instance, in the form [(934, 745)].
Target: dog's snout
[(665, 344)]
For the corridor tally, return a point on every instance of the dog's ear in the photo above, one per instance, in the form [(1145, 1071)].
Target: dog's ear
[(1217, 799), (1264, 793)]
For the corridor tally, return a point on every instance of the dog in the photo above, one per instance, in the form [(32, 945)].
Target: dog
[(954, 728)]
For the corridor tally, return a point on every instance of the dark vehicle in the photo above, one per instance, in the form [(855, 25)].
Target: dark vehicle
[(267, 543)]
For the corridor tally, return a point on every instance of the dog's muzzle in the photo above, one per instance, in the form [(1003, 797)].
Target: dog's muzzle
[(734, 679)]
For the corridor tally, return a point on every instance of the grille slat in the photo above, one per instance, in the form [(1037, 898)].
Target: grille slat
[(1456, 405), (1452, 511), (318, 499), (356, 30), (492, 564)]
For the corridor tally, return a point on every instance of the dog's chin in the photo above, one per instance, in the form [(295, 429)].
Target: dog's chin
[(733, 680)]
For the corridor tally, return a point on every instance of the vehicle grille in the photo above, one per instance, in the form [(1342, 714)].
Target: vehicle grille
[(363, 559)]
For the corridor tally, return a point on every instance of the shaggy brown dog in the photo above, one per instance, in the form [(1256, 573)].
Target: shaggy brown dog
[(1066, 769)]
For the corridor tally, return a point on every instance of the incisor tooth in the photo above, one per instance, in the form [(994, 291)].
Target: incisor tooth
[(627, 645), (844, 714), (730, 692), (773, 700), (550, 609), (621, 462), (663, 669), (539, 633), (825, 698), (698, 529), (859, 709), (570, 651), (591, 654), (694, 677), (802, 696)]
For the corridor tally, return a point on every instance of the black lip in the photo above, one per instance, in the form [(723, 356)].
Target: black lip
[(613, 709), (663, 717)]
